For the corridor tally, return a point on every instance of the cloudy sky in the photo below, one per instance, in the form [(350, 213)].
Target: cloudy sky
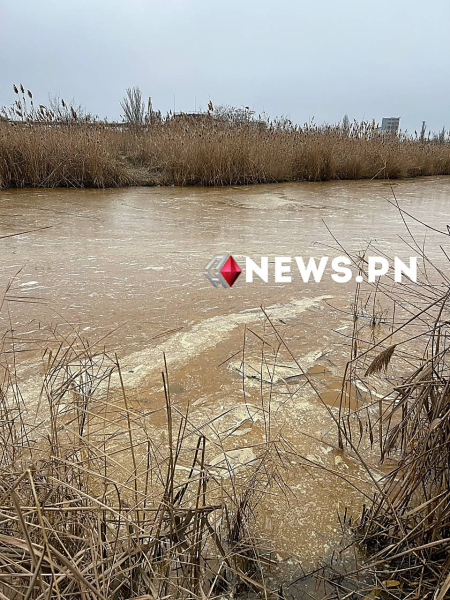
[(298, 58)]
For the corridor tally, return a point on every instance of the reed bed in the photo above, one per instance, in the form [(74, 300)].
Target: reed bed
[(399, 356), (59, 147), (407, 528), (45, 156), (214, 153), (93, 504)]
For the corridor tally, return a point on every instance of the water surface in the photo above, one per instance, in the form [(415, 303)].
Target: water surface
[(126, 267)]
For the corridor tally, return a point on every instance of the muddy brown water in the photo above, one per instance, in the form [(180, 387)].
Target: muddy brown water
[(127, 266)]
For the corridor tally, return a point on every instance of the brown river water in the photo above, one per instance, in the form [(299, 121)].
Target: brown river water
[(126, 267)]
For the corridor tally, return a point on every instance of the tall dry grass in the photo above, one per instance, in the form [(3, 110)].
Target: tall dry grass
[(95, 503), (69, 156), (55, 145), (211, 152), (61, 148), (399, 355)]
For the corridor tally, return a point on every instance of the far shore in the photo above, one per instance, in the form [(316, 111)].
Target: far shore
[(207, 152)]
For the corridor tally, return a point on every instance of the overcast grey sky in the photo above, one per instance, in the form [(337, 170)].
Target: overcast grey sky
[(299, 58)]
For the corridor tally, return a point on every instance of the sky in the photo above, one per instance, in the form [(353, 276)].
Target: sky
[(301, 59)]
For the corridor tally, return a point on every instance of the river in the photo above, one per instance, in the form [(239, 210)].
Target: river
[(125, 268)]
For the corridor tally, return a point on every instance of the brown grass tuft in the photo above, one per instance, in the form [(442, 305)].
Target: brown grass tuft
[(381, 361)]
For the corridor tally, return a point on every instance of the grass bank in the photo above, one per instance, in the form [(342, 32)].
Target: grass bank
[(206, 151)]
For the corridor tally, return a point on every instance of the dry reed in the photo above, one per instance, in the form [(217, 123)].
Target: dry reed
[(92, 506), (405, 529), (61, 147)]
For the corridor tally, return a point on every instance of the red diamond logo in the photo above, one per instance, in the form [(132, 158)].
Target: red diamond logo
[(230, 271)]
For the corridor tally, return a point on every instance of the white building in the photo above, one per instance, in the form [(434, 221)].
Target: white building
[(390, 125)]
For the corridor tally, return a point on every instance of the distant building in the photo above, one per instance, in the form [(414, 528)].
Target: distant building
[(390, 125), (192, 116)]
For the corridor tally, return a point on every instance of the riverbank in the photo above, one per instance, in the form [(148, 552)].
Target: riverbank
[(207, 152)]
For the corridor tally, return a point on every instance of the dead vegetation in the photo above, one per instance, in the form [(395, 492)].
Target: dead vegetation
[(95, 505), (407, 528), (62, 146), (401, 358)]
